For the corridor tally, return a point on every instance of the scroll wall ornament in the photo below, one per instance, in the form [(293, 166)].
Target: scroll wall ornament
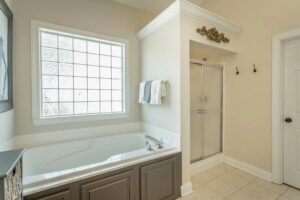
[(213, 34)]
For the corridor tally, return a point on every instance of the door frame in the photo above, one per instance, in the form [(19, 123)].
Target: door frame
[(277, 102)]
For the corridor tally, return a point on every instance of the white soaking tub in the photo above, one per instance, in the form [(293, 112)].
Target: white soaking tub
[(53, 165)]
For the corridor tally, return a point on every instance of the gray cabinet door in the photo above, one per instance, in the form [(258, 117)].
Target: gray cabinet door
[(117, 187), (65, 195), (159, 180)]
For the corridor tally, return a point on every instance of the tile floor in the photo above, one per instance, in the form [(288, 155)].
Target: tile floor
[(224, 182)]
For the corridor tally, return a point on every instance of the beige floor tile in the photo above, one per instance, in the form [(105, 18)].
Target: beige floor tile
[(292, 194), (218, 170), (283, 198), (204, 177), (222, 187), (235, 180), (205, 193), (196, 183), (244, 174), (241, 196), (260, 192), (280, 189), (227, 167)]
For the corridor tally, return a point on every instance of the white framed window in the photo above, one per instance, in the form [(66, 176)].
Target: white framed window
[(77, 76)]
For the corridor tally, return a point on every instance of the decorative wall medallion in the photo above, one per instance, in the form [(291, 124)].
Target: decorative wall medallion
[(213, 34)]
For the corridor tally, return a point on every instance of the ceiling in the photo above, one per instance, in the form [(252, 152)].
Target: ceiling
[(152, 6)]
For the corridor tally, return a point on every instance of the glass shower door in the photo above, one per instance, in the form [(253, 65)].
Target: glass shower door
[(206, 110)]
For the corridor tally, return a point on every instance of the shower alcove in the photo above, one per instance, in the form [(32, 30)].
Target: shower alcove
[(195, 67)]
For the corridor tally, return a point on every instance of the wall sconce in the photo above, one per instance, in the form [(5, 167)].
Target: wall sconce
[(254, 68)]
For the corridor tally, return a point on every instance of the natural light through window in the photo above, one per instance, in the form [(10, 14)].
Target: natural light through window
[(80, 75)]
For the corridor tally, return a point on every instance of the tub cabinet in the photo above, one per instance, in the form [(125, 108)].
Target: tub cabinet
[(158, 179)]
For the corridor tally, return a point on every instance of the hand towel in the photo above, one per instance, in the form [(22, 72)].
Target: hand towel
[(142, 92), (156, 92), (147, 91)]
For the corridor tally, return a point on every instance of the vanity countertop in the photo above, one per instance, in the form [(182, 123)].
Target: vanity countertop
[(8, 160)]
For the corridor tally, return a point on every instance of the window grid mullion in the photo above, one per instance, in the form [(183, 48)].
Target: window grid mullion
[(72, 50)]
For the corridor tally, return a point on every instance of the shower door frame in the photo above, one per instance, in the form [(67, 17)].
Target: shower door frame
[(222, 110)]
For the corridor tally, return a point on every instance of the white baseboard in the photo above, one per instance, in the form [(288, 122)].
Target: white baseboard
[(206, 164), (266, 175), (32, 140), (186, 189)]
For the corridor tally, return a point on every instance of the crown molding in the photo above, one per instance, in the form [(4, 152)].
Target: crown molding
[(160, 20), (192, 10)]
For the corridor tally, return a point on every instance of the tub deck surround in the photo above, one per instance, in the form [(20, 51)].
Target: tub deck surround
[(49, 166)]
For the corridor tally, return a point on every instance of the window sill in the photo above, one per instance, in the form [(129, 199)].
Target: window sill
[(76, 119)]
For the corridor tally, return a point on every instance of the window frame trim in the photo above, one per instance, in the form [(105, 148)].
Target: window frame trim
[(36, 79)]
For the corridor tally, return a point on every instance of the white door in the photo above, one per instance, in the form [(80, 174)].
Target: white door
[(291, 134)]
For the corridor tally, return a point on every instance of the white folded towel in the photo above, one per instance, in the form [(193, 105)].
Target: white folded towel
[(142, 92), (158, 90)]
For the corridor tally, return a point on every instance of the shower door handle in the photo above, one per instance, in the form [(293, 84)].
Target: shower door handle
[(202, 111)]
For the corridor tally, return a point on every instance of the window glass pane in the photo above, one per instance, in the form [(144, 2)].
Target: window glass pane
[(65, 95), (50, 68), (105, 95), (49, 54), (65, 82), (93, 83), (80, 95), (105, 107), (116, 62), (50, 95), (80, 83), (79, 45), (116, 73), (93, 107), (50, 81), (105, 84), (49, 40), (80, 70), (116, 84), (93, 59), (66, 108), (105, 61), (65, 42), (117, 106), (65, 56), (105, 49), (93, 47), (93, 95), (117, 51), (80, 75), (79, 58), (65, 69), (116, 95), (94, 71), (105, 72), (81, 108), (50, 109)]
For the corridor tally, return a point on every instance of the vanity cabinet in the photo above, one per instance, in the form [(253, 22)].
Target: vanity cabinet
[(11, 174), (158, 179)]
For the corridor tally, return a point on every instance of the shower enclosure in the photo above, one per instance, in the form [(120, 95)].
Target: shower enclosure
[(206, 89)]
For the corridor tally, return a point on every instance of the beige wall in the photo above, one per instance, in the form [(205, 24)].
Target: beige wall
[(248, 107), (160, 55), (98, 16), (6, 118)]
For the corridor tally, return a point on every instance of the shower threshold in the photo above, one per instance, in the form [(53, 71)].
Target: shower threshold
[(204, 157)]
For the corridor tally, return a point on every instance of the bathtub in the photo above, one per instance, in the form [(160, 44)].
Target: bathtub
[(53, 165)]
